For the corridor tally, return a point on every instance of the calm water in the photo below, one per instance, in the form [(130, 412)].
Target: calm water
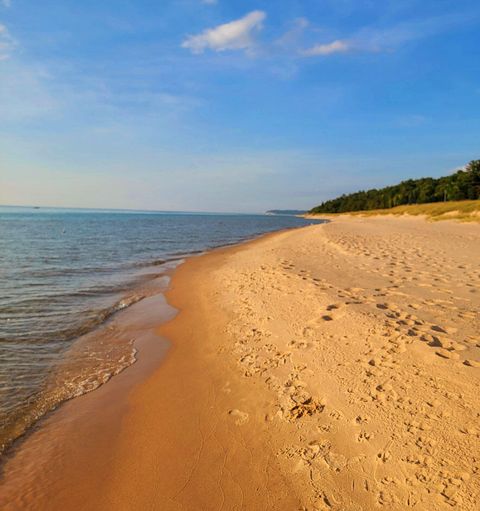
[(63, 273)]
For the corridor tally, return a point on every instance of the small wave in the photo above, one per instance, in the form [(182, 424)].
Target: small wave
[(126, 302), (83, 371), (67, 382), (61, 299), (144, 264), (91, 319), (160, 262), (181, 255)]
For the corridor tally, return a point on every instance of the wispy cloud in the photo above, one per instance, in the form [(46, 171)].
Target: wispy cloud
[(240, 35), (291, 37), (209, 2), (338, 46), (25, 94), (6, 3), (390, 38), (6, 43), (236, 35)]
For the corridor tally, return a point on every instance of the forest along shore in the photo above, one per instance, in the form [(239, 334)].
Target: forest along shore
[(334, 367)]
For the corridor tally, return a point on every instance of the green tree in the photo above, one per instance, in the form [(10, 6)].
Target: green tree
[(463, 185)]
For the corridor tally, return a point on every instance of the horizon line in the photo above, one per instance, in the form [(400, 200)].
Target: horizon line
[(130, 210)]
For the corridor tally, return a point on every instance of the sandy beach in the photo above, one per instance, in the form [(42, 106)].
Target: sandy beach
[(332, 367)]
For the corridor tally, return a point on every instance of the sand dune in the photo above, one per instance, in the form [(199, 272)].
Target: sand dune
[(335, 367)]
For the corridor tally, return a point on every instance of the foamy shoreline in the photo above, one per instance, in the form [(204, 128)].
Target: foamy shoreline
[(331, 367), (133, 328), (67, 275)]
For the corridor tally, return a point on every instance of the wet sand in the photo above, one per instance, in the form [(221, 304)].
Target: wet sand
[(334, 367)]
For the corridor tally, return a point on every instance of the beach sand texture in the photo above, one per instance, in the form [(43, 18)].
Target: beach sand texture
[(334, 367)]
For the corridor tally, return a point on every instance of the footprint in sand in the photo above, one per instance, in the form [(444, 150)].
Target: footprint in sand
[(362, 419), (442, 352), (332, 307), (364, 436), (439, 329), (384, 456), (240, 417), (301, 345), (472, 363)]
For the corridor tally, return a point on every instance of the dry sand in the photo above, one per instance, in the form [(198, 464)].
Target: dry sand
[(334, 367)]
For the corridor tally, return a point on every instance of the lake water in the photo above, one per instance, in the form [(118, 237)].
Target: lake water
[(64, 273)]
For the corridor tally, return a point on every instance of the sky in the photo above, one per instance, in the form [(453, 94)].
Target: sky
[(217, 105)]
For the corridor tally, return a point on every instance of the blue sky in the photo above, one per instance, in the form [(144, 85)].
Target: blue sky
[(232, 106)]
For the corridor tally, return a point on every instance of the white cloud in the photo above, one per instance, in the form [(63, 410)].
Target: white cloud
[(209, 2), (6, 3), (327, 49), (236, 35)]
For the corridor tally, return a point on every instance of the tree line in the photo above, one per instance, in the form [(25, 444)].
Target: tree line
[(463, 185)]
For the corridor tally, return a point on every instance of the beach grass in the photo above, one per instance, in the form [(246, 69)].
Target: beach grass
[(464, 211)]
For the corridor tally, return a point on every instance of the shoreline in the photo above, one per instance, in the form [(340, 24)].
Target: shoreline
[(105, 331), (110, 333), (300, 374), (151, 350), (37, 458)]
